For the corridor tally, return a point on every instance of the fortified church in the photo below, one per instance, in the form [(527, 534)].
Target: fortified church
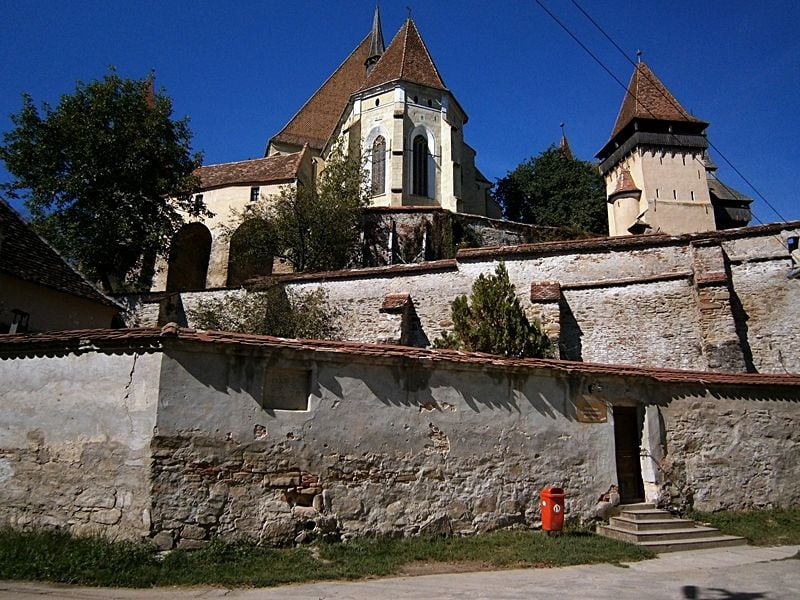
[(390, 106), (674, 381)]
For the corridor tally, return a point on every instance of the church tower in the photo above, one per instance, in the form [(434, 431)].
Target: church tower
[(653, 163)]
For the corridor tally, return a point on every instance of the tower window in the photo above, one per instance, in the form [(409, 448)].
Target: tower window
[(255, 191), (419, 186), (378, 166), (692, 194), (674, 194)]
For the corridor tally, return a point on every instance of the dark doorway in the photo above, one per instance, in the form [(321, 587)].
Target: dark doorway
[(627, 435), (188, 258)]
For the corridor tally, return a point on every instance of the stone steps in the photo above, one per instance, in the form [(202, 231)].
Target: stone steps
[(658, 530)]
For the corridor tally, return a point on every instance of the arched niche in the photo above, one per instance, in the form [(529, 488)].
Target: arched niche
[(249, 255), (188, 258)]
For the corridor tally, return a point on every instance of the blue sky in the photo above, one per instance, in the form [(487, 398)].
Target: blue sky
[(241, 69)]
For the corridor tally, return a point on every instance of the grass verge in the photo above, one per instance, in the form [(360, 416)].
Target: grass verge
[(58, 557), (774, 527)]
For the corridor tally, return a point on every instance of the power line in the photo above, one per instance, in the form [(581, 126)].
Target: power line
[(667, 97)]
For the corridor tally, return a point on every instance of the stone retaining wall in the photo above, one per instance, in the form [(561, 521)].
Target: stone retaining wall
[(75, 442)]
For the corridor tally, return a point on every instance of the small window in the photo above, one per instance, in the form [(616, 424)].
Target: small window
[(286, 389), (657, 195), (692, 193), (198, 197), (377, 101), (430, 102), (416, 100), (674, 194), (255, 192)]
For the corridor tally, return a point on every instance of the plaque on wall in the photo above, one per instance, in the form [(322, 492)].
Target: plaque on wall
[(591, 410)]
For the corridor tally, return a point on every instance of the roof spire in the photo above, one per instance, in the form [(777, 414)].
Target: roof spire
[(376, 45), (639, 56), (564, 144)]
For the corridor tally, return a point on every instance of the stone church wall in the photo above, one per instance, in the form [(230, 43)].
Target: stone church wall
[(727, 451), (75, 442), (718, 302), (383, 447), (279, 441)]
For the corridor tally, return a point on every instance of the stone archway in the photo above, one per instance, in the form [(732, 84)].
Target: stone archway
[(188, 258), (248, 254)]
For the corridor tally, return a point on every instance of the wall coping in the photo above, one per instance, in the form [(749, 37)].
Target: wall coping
[(171, 336), (650, 240)]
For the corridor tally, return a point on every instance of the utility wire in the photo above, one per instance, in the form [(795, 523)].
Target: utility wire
[(668, 98)]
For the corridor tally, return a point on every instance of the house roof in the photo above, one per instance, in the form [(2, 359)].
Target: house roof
[(278, 168), (407, 59), (648, 98), (27, 256), (314, 123), (154, 339)]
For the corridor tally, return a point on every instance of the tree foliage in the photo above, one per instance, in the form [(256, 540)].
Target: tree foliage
[(492, 320), (555, 190), (314, 228), (106, 175), (274, 311)]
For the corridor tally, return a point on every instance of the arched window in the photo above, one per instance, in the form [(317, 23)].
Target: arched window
[(378, 166), (188, 258), (250, 252), (419, 182)]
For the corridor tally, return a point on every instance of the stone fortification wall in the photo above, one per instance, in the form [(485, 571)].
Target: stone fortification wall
[(384, 447), (75, 442), (279, 441), (718, 301), (725, 452)]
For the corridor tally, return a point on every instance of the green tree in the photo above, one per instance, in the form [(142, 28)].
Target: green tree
[(555, 190), (106, 176), (492, 320), (314, 228), (273, 311)]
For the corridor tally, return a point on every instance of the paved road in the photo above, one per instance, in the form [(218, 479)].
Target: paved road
[(739, 573)]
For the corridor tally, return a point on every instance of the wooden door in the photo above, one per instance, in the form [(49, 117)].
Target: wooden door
[(627, 436)]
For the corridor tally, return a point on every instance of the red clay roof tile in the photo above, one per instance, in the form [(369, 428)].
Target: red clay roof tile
[(648, 98), (153, 339), (272, 169), (314, 123), (407, 59)]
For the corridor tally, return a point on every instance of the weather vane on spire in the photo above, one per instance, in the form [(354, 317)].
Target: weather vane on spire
[(408, 8), (639, 55)]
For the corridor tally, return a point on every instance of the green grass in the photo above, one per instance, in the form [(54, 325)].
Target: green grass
[(60, 558), (761, 527)]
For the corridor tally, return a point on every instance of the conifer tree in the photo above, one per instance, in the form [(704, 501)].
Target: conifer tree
[(492, 320)]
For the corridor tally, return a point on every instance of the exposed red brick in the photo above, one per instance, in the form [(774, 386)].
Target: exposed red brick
[(395, 303), (545, 291), (711, 278)]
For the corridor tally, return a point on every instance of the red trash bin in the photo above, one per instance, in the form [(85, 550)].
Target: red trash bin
[(552, 509)]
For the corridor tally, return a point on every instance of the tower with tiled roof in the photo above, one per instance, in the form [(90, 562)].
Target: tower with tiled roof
[(657, 148)]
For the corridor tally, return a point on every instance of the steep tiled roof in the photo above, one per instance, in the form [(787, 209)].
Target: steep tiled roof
[(25, 255), (314, 123), (625, 184), (648, 98), (154, 339), (272, 169), (406, 59)]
